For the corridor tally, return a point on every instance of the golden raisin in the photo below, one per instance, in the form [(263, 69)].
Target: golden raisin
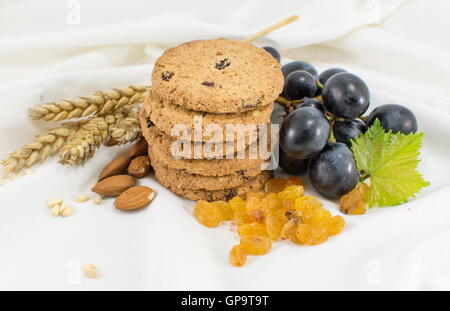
[(237, 204), (274, 224), (335, 225), (225, 209), (271, 202), (207, 214), (238, 257), (275, 185), (252, 229), (303, 203), (294, 180), (255, 244), (289, 230), (241, 217), (291, 193), (311, 235), (354, 202)]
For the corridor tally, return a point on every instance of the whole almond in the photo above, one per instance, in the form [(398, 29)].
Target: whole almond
[(134, 198), (114, 185), (138, 149), (115, 167), (139, 167)]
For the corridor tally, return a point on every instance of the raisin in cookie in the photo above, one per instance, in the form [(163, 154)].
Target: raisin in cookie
[(218, 76)]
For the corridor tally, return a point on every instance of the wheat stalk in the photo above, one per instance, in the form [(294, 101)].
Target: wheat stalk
[(100, 103), (45, 144)]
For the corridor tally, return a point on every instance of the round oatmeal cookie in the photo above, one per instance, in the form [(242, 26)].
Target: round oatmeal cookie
[(253, 184), (166, 115), (208, 167), (196, 150), (218, 76), (186, 180)]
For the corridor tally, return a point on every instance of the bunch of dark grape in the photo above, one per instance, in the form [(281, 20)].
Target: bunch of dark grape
[(316, 137)]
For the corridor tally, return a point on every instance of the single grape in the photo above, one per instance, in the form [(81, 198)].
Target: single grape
[(292, 165), (272, 51), (311, 102), (346, 95), (299, 65), (394, 117), (299, 84), (333, 171), (327, 74), (304, 133), (345, 130)]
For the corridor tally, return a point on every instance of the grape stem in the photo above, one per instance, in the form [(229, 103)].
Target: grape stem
[(364, 176)]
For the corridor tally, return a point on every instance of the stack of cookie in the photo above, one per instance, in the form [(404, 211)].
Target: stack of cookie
[(204, 116)]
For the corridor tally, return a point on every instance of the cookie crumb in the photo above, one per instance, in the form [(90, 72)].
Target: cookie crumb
[(82, 198), (98, 199), (56, 210), (66, 211), (54, 201), (90, 271)]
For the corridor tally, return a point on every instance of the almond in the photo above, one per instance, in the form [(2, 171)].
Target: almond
[(114, 185), (139, 167), (134, 198), (115, 167), (138, 149)]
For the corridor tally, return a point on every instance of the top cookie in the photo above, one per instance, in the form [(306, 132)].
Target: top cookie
[(219, 76)]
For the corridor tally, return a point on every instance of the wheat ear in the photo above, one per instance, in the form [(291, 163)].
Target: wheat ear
[(100, 103), (83, 143), (127, 129), (46, 144)]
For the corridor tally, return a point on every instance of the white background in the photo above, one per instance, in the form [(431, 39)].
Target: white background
[(57, 49)]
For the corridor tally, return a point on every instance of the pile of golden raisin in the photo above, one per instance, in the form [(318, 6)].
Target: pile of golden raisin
[(282, 212)]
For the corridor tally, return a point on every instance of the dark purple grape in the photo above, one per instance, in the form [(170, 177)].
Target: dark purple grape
[(299, 65), (345, 95), (304, 133), (333, 171), (311, 102), (394, 117), (299, 84), (327, 74), (272, 51), (292, 165), (346, 130)]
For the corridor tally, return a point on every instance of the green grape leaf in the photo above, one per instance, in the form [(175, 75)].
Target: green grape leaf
[(391, 161)]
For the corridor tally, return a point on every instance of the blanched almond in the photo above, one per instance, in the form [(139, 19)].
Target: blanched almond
[(115, 167), (114, 185), (134, 198)]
